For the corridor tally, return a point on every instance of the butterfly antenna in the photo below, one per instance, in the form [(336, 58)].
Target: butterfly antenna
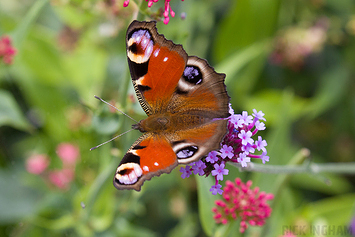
[(93, 148), (115, 108)]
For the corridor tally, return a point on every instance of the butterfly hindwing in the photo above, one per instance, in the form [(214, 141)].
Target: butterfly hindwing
[(149, 156)]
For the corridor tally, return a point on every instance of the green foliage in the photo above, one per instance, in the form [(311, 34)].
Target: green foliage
[(69, 51)]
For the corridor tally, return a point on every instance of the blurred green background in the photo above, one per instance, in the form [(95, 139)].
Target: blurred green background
[(292, 59)]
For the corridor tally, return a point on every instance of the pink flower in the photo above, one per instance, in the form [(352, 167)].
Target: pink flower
[(68, 153), (37, 163), (61, 178), (125, 3), (6, 50), (240, 201), (167, 8)]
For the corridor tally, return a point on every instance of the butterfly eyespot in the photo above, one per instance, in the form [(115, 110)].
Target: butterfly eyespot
[(186, 152), (140, 47), (192, 75), (128, 173), (133, 48)]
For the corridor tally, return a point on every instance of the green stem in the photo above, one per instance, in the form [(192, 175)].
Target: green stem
[(313, 168), (97, 186), (297, 166)]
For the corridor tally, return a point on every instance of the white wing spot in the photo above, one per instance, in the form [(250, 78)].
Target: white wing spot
[(165, 59), (156, 164), (156, 52), (149, 50)]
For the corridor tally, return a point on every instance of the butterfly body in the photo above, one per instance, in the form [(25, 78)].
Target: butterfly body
[(185, 100)]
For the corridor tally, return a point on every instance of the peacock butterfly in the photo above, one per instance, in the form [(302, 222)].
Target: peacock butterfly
[(186, 102)]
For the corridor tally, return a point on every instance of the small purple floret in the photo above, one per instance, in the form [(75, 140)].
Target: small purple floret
[(186, 172), (216, 189), (219, 171), (212, 157), (243, 159), (227, 151), (198, 167)]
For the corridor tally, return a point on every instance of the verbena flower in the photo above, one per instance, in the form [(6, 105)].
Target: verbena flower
[(216, 189), (238, 146), (240, 201), (7, 51), (167, 8), (219, 171)]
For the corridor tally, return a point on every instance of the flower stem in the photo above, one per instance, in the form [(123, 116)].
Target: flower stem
[(297, 166), (340, 168)]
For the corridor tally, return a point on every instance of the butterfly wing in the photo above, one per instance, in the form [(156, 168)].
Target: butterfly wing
[(156, 65), (151, 155)]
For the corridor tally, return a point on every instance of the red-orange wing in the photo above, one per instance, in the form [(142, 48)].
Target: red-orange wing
[(149, 156), (156, 65)]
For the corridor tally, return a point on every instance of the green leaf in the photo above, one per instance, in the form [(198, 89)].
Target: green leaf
[(230, 229), (336, 210), (16, 200), (74, 16), (271, 103), (106, 124), (87, 69), (126, 229), (334, 83), (249, 21), (235, 62), (10, 112), (205, 203), (243, 68), (21, 31)]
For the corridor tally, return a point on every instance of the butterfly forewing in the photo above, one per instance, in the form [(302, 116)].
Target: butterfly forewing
[(156, 65)]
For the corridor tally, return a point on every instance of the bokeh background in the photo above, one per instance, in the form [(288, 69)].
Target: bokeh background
[(292, 59)]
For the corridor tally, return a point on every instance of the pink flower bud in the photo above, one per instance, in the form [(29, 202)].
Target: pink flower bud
[(68, 153), (37, 164)]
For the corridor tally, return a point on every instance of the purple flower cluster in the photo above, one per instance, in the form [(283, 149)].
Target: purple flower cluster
[(238, 146)]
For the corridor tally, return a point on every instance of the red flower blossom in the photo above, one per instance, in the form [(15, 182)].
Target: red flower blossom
[(242, 201), (6, 50)]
